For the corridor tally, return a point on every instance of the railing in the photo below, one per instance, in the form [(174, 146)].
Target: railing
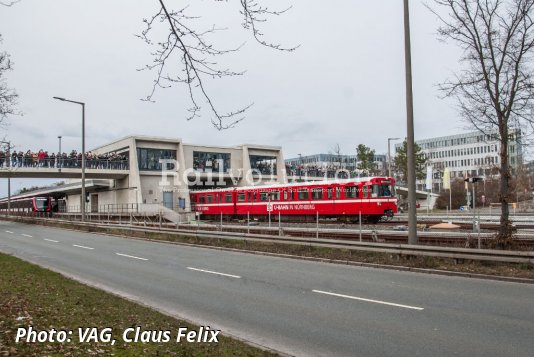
[(397, 249), (119, 208), (68, 163)]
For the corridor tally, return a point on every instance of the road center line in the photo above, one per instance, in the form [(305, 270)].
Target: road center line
[(214, 272), (27, 235), (51, 240), (9, 232), (368, 300), (82, 246), (130, 256)]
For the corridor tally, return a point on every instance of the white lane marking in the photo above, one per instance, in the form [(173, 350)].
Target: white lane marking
[(9, 232), (27, 235), (130, 256), (51, 240), (82, 246), (368, 300), (214, 272)]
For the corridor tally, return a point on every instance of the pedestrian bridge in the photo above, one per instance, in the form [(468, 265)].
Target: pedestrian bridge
[(63, 173)]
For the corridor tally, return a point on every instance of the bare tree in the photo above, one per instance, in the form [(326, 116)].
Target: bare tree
[(8, 97), (195, 54), (495, 88), (8, 3), (337, 155)]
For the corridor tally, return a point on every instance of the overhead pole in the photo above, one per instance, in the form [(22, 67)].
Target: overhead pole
[(412, 213)]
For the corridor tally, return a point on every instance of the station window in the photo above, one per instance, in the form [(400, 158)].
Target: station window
[(211, 161), (228, 198), (241, 197), (263, 164), (303, 194), (317, 194), (148, 159)]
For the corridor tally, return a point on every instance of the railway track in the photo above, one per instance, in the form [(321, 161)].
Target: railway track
[(448, 239)]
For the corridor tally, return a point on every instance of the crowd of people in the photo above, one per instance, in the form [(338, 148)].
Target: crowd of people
[(59, 160)]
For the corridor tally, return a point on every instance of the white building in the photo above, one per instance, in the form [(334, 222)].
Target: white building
[(467, 155), (319, 164), (157, 172)]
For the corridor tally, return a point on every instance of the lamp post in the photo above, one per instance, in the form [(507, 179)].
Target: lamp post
[(412, 213), (82, 205), (389, 154), (8, 165), (59, 157)]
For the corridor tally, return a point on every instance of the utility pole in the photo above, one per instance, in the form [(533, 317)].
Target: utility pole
[(412, 213)]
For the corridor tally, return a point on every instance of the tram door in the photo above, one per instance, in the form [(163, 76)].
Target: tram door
[(167, 200)]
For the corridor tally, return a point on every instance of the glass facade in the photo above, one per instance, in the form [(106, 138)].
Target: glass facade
[(266, 165), (211, 161), (148, 159)]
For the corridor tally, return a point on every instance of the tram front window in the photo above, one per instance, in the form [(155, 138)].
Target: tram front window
[(383, 190), (41, 204)]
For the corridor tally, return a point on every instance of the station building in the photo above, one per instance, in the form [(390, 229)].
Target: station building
[(160, 172)]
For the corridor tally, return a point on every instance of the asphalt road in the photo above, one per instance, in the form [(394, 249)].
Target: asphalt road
[(297, 307)]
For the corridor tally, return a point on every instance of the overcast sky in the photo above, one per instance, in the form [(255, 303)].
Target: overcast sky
[(344, 85)]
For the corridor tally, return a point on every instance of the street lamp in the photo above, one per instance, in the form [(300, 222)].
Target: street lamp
[(389, 154), (8, 165), (58, 162), (82, 206), (410, 152)]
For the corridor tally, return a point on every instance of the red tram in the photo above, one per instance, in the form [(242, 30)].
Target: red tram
[(372, 197), (30, 204)]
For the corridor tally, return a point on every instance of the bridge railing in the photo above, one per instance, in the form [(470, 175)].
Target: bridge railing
[(69, 163)]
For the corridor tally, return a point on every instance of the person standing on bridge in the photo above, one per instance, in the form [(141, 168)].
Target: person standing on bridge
[(40, 158)]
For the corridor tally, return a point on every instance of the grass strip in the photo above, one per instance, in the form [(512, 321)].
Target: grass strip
[(37, 297)]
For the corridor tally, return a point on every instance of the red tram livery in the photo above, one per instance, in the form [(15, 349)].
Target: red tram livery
[(372, 197), (29, 204)]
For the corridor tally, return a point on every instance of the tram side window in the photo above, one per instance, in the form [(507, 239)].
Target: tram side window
[(338, 193), (275, 195), (252, 196), (329, 193), (350, 192), (317, 194), (376, 191), (365, 191), (264, 196), (241, 197), (303, 194), (209, 198), (202, 199), (285, 196), (228, 198)]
